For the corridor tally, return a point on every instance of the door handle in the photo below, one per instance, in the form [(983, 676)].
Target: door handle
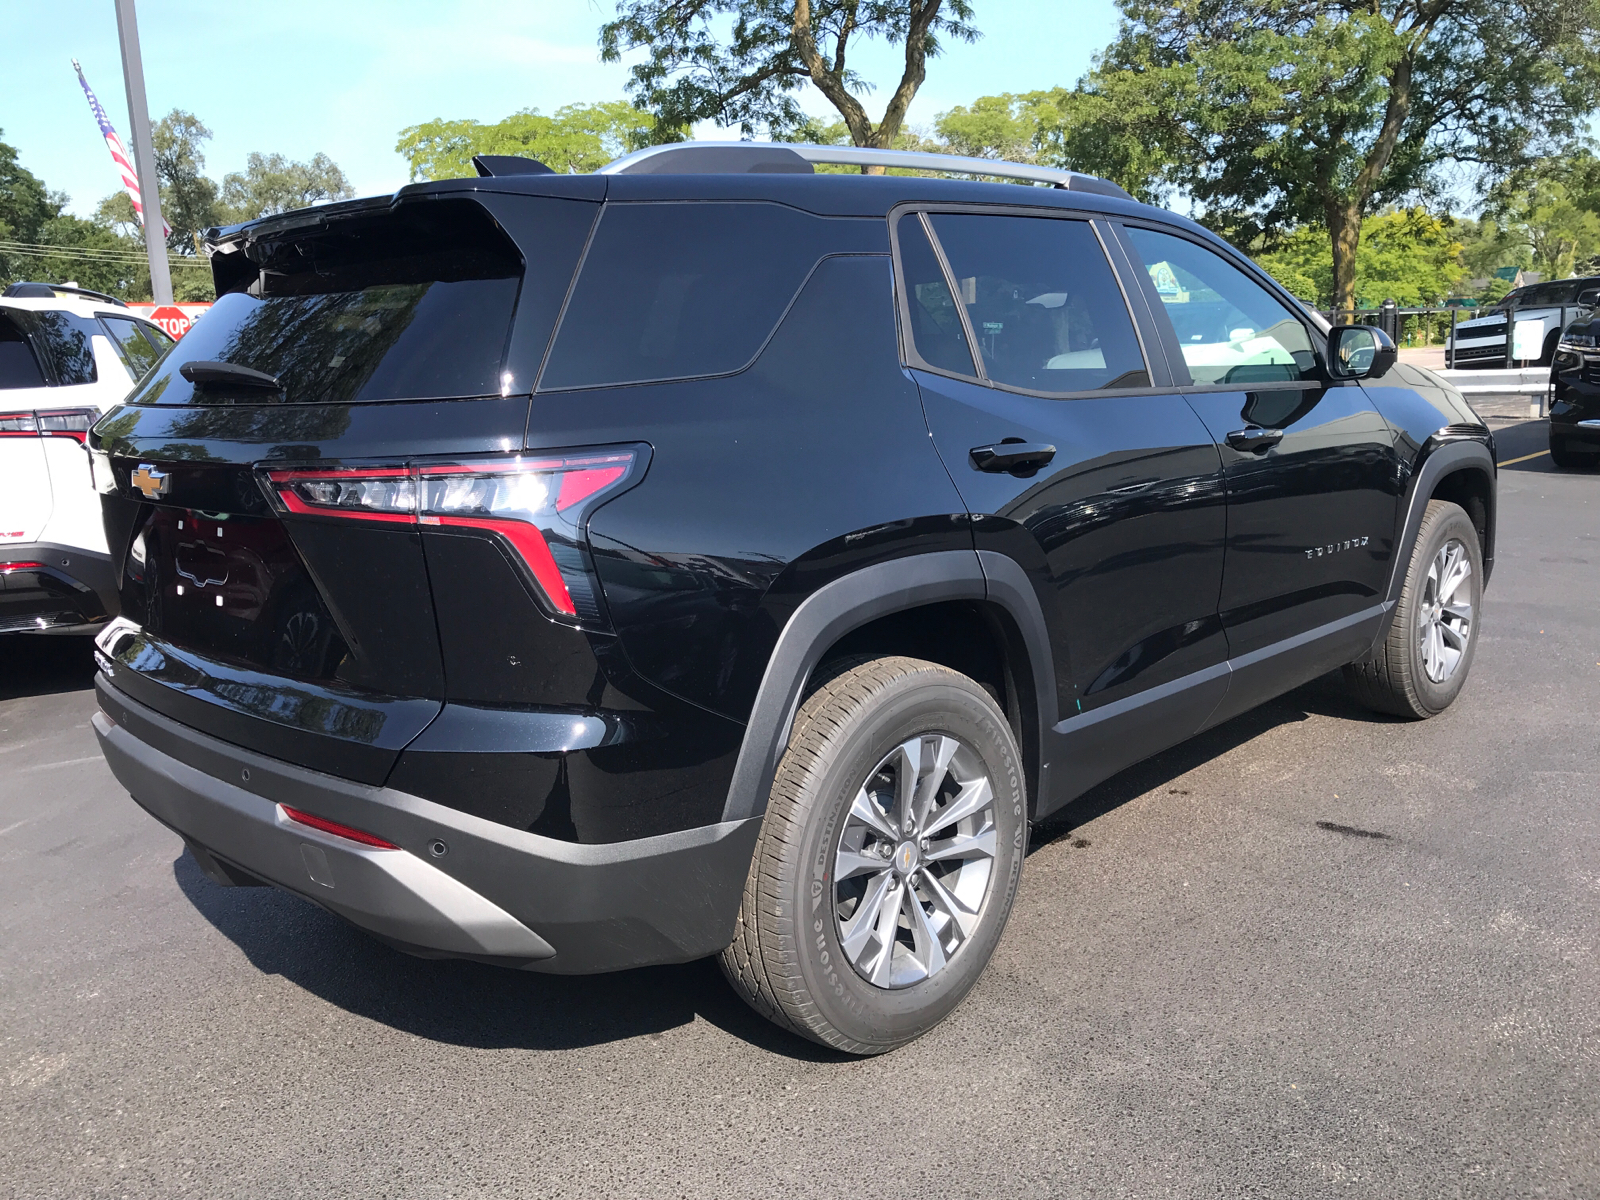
[(1254, 438), (1012, 456)]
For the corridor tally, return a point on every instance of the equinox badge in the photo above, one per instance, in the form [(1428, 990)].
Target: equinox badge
[(150, 481)]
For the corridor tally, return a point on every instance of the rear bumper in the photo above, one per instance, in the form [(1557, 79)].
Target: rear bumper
[(72, 591), (494, 894)]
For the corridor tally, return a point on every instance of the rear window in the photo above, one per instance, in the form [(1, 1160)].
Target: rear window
[(411, 304), (681, 290)]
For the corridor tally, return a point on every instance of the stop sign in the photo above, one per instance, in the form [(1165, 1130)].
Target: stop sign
[(173, 319)]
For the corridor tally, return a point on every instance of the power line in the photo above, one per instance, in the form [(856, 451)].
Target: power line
[(92, 254)]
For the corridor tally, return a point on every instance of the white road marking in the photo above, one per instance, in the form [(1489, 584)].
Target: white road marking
[(66, 762)]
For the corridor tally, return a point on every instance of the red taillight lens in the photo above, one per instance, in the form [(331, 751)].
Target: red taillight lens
[(7, 568), (537, 504), (338, 830), (54, 422), (18, 424), (67, 422), (363, 493)]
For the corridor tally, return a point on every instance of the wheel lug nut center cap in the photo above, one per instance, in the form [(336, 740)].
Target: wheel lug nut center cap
[(906, 857)]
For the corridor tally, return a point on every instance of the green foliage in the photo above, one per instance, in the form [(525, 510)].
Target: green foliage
[(188, 198), (577, 137), (1272, 116), (740, 62), (272, 184), (1408, 256), (1494, 290), (24, 203), (1545, 214), (1486, 246)]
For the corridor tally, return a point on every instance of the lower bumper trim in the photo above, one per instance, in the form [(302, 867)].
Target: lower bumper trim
[(458, 885), (391, 893)]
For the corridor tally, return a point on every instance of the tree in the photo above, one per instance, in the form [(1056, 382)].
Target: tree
[(24, 202), (188, 197), (272, 184), (1272, 115), (1407, 255), (773, 47), (1546, 213), (578, 137)]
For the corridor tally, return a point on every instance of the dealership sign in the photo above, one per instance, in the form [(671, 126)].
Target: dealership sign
[(174, 318)]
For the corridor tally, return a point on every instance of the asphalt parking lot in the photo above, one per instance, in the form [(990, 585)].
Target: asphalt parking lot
[(1314, 952)]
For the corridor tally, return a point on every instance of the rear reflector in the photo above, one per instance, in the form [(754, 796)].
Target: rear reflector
[(536, 505), (7, 568), (338, 830)]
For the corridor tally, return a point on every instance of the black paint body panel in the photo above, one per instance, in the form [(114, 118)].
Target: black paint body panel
[(1151, 580)]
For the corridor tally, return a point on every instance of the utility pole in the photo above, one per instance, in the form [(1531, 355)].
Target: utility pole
[(144, 154)]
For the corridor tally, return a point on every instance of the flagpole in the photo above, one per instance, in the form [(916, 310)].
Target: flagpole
[(144, 156)]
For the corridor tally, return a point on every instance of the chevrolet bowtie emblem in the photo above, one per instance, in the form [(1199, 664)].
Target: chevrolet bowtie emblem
[(150, 481)]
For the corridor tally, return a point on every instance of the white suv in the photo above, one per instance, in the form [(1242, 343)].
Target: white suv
[(66, 355), (1481, 342)]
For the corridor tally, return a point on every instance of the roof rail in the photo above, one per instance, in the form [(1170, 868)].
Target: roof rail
[(696, 158), (47, 291)]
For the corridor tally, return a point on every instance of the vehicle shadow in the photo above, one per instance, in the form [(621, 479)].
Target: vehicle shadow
[(472, 1004), (1324, 696), (44, 665), (485, 1007)]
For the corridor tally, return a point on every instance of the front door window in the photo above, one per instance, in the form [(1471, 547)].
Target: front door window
[(1230, 328)]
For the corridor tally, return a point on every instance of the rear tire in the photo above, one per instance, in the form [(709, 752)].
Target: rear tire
[(854, 932), (1420, 666)]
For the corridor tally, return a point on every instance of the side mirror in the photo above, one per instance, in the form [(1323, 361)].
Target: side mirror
[(1360, 352), (1589, 297)]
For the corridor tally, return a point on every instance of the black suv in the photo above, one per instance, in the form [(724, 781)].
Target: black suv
[(1575, 397), (707, 556)]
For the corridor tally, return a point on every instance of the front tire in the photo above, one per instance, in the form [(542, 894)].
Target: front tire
[(888, 859), (1420, 666), (1564, 456)]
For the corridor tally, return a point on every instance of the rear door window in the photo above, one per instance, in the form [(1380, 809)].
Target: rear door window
[(1230, 328), (156, 336), (136, 350), (18, 367), (681, 290), (1042, 303), (65, 337), (931, 313)]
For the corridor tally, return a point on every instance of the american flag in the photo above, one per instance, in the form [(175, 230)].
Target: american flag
[(119, 155)]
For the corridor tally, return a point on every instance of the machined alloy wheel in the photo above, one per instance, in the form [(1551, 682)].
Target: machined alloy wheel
[(1421, 663), (914, 861), (888, 859), (1444, 618)]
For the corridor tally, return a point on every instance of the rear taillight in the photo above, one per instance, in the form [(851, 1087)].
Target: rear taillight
[(18, 424), (54, 422), (536, 504), (67, 422), (8, 567)]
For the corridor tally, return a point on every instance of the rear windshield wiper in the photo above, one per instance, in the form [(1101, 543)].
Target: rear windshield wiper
[(226, 374)]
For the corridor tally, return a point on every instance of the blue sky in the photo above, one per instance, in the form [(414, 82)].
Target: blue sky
[(343, 77)]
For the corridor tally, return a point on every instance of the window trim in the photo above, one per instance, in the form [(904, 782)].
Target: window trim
[(1169, 335), (909, 357)]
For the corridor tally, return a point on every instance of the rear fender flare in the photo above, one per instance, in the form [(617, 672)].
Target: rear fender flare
[(852, 601)]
